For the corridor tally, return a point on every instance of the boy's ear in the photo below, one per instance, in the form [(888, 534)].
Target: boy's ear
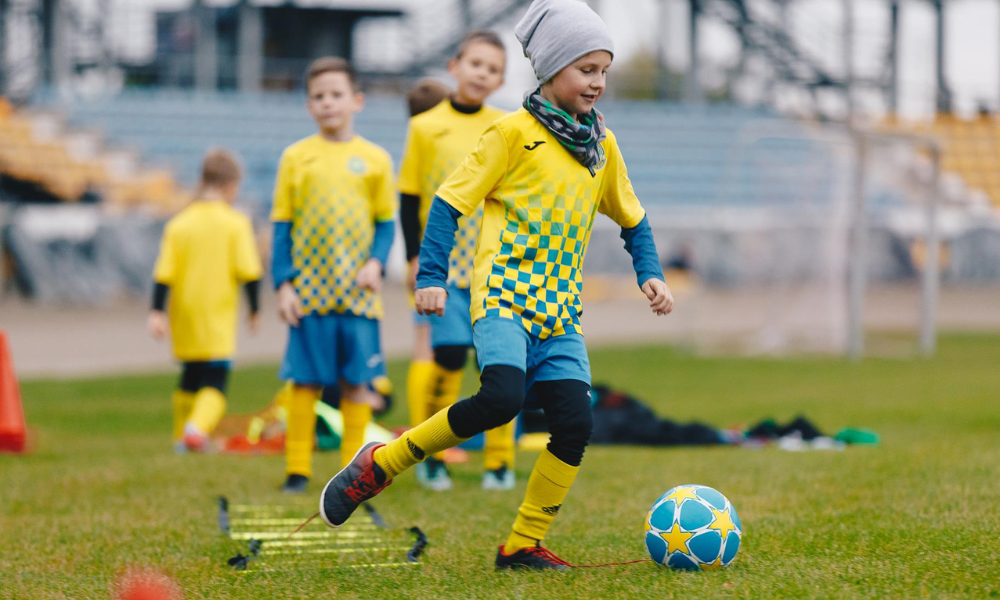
[(359, 101), (452, 62)]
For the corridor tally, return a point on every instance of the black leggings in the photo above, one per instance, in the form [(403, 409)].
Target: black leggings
[(566, 403), (198, 375), (451, 358)]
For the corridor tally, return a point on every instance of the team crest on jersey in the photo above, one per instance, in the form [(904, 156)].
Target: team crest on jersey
[(356, 165)]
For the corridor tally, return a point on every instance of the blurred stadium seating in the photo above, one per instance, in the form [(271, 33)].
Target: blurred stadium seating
[(678, 154)]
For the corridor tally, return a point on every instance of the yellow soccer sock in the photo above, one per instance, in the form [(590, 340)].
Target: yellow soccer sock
[(547, 488), (498, 450), (183, 404), (443, 387), (417, 383), (357, 416), (300, 431), (433, 435), (209, 408)]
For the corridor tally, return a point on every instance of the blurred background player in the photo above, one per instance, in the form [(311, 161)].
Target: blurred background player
[(333, 227), (425, 95), (437, 141), (207, 251), (544, 171)]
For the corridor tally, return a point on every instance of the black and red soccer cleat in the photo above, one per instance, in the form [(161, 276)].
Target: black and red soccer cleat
[(534, 558), (359, 481)]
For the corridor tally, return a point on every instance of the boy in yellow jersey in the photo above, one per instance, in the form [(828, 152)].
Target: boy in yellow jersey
[(423, 96), (545, 172), (334, 203), (207, 251), (437, 142)]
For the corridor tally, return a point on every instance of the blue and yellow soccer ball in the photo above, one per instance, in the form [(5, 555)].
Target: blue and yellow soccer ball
[(693, 527)]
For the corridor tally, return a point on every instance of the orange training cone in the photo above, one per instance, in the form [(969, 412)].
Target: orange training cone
[(12, 427)]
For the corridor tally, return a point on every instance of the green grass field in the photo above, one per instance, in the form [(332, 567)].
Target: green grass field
[(918, 516)]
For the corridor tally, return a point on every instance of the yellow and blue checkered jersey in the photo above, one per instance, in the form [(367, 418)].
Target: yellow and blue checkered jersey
[(540, 205), (333, 194), (437, 141), (207, 251)]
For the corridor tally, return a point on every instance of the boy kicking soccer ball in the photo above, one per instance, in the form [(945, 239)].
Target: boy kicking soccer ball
[(437, 142), (333, 227), (544, 171), (207, 251)]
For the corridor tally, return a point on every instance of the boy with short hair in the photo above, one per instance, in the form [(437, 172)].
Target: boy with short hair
[(207, 251), (545, 172), (423, 96), (437, 142), (333, 227)]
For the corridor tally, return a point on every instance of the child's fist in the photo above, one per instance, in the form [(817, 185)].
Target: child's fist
[(289, 308), (157, 324), (661, 301), (370, 275), (431, 300)]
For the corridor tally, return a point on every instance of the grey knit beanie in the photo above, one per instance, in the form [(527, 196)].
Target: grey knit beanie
[(554, 33)]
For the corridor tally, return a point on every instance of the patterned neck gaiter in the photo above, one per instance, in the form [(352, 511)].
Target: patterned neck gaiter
[(581, 137)]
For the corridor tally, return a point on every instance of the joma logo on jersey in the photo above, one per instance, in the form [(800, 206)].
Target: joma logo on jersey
[(534, 145), (551, 510), (415, 450)]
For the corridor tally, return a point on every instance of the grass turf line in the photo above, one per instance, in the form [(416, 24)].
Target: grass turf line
[(917, 517)]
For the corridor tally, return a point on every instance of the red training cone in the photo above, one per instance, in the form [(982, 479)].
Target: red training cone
[(13, 431)]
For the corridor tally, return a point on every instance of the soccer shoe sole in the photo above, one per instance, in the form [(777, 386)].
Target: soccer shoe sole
[(322, 495)]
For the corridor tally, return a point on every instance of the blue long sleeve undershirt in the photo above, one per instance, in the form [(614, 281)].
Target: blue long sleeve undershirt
[(439, 238), (283, 270), (640, 245)]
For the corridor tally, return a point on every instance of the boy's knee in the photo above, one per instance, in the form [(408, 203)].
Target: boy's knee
[(571, 420), (500, 398), (451, 358)]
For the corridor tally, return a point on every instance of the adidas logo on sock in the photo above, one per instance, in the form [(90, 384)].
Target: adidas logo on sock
[(551, 510), (418, 452)]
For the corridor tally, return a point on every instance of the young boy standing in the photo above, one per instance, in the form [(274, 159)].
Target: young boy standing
[(207, 251), (333, 226), (545, 172), (423, 96), (437, 142)]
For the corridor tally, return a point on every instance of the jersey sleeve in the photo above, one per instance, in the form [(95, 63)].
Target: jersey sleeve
[(409, 169), (619, 201), (282, 209), (248, 267), (383, 191), (165, 271), (479, 174)]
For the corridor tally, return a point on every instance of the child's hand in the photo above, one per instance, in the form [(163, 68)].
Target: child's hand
[(661, 301), (370, 275), (411, 272), (158, 324), (289, 307), (254, 323), (431, 300)]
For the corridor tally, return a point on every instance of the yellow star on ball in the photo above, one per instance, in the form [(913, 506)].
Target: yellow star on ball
[(723, 522), (677, 540), (681, 494)]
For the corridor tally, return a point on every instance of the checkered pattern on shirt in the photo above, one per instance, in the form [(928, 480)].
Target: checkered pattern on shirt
[(536, 276), (464, 253), (332, 235)]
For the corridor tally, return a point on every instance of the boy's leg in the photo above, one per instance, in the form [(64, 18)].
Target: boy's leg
[(183, 401), (421, 369), (357, 415), (567, 408), (300, 430), (443, 389), (498, 453), (210, 400), (359, 349), (499, 345)]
